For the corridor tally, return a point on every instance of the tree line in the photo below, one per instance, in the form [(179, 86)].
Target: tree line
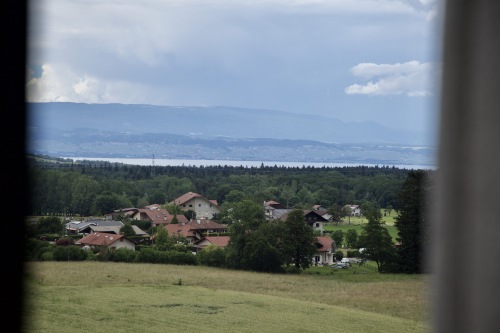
[(62, 186)]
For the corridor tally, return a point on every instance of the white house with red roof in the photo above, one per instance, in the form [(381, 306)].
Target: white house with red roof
[(325, 253), (203, 207)]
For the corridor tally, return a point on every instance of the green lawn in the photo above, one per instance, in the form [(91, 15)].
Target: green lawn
[(117, 297), (356, 223)]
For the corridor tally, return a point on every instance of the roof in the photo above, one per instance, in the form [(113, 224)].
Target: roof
[(205, 224), (326, 243), (82, 225), (159, 215), (273, 204), (186, 197), (99, 239), (306, 212), (181, 230), (116, 230), (191, 195), (220, 241)]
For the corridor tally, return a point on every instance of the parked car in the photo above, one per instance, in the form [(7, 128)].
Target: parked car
[(341, 266)]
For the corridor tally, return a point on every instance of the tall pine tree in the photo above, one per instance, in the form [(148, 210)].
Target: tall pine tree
[(411, 222)]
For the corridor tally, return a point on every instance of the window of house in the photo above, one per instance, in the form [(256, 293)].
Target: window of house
[(317, 225)]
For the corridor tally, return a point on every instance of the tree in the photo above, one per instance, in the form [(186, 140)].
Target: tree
[(106, 202), (84, 190), (335, 212), (413, 231), (376, 239), (190, 214), (298, 240), (163, 241), (175, 220), (127, 230), (49, 225), (338, 237), (247, 216), (263, 250), (351, 238)]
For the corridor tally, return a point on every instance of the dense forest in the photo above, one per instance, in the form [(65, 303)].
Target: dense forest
[(64, 186)]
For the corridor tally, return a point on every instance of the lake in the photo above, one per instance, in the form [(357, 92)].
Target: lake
[(247, 164)]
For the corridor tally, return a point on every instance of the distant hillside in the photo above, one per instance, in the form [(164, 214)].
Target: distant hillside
[(214, 122), (218, 133)]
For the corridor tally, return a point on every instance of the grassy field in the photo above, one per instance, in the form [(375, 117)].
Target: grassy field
[(356, 223), (118, 297)]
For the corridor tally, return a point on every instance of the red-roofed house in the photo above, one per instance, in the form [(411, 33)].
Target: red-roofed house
[(203, 207), (186, 231), (157, 215), (207, 226), (111, 241), (325, 254), (220, 241)]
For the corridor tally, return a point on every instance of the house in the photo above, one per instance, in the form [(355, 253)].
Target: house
[(274, 210), (118, 213), (312, 218), (195, 230), (85, 227), (325, 253), (111, 241), (206, 226), (156, 215), (203, 207), (191, 235), (116, 230), (219, 241), (355, 210)]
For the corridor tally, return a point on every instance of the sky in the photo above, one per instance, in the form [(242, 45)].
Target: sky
[(353, 60)]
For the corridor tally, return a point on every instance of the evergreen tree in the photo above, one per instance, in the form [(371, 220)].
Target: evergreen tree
[(411, 222)]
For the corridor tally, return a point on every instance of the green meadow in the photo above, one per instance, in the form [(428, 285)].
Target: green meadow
[(118, 297)]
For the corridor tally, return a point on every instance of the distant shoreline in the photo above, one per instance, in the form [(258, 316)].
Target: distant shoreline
[(248, 164)]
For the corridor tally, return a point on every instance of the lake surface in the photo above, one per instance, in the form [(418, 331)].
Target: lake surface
[(248, 164)]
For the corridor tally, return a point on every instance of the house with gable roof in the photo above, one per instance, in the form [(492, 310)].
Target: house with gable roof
[(325, 253), (219, 241), (157, 215), (111, 241), (312, 218), (203, 207), (274, 210), (191, 235)]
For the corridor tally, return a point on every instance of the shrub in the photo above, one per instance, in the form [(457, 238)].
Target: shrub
[(166, 257), (212, 256), (69, 253), (353, 254), (123, 255), (339, 255)]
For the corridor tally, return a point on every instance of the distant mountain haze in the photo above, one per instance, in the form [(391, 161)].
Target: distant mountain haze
[(215, 121), (78, 129)]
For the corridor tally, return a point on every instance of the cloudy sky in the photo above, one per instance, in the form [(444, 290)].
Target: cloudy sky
[(354, 60)]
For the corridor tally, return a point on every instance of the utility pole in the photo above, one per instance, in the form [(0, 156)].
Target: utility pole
[(153, 166)]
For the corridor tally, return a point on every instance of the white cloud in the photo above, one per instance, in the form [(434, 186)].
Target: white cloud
[(59, 84), (411, 78)]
